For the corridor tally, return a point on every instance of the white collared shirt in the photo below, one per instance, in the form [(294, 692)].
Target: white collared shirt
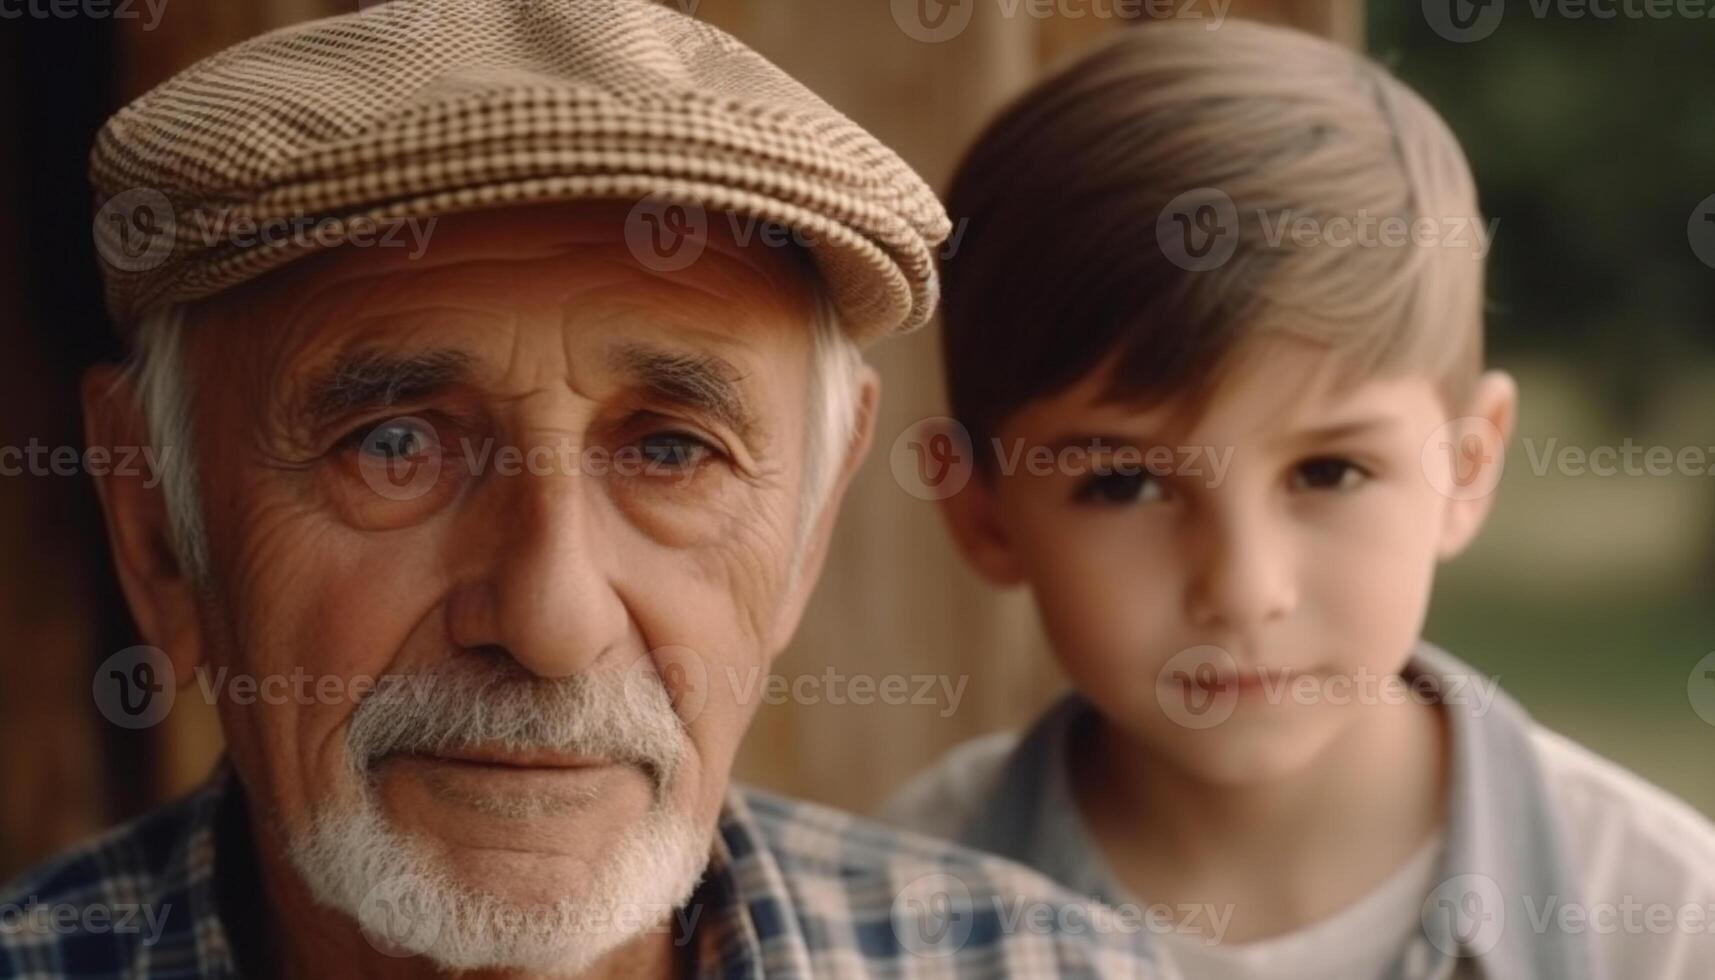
[(1599, 873)]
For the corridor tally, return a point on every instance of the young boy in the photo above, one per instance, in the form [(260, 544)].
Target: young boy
[(1240, 272)]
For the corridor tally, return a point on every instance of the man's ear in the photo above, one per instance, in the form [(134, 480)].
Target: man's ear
[(973, 517), (161, 595), (1492, 413), (815, 546)]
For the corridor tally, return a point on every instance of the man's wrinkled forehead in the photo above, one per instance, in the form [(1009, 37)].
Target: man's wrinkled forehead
[(485, 269)]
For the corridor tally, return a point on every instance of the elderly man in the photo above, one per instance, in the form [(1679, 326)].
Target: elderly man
[(506, 357)]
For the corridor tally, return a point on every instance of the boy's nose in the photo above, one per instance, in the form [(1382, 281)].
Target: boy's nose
[(1244, 574)]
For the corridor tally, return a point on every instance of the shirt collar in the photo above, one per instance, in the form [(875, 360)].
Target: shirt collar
[(1503, 858)]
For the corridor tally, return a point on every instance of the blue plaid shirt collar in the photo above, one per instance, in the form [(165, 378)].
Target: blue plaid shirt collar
[(793, 890)]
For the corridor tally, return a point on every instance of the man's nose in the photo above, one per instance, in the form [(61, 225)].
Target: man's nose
[(1244, 570), (541, 586)]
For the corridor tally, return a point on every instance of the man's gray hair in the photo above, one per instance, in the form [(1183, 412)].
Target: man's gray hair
[(164, 392)]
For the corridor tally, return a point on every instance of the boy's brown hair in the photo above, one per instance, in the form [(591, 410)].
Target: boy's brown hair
[(1101, 203)]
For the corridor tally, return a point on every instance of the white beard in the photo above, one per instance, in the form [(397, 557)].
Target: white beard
[(408, 904), (409, 901)]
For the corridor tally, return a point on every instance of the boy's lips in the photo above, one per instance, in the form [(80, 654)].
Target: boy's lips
[(1244, 680)]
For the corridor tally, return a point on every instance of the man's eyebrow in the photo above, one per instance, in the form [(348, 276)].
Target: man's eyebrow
[(362, 380), (699, 381)]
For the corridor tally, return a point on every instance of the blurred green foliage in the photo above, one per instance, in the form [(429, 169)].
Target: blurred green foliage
[(1593, 141)]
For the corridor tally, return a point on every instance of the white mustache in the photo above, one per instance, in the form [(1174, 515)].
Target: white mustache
[(487, 701)]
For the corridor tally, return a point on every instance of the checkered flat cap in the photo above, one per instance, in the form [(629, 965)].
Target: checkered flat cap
[(307, 136)]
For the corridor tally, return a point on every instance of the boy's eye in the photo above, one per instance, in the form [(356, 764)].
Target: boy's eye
[(1327, 473), (1120, 488), (674, 450)]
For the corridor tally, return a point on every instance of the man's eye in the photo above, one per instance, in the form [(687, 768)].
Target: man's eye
[(395, 439), (1120, 488), (1328, 473), (673, 450)]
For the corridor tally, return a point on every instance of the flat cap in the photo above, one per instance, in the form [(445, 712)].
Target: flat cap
[(308, 136)]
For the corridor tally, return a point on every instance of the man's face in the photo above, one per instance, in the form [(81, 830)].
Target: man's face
[(1227, 605), (519, 459)]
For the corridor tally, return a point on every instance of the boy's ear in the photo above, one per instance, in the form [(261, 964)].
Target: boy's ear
[(973, 516), (161, 596), (1493, 408)]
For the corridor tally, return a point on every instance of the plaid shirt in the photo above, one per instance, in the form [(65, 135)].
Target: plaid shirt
[(792, 890)]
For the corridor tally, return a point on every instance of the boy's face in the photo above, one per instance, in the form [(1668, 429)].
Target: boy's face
[(1239, 600)]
